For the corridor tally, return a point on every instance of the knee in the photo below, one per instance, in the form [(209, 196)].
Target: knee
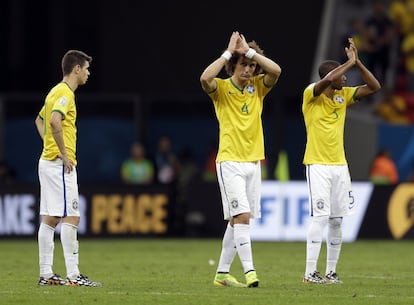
[(243, 218), (51, 221), (320, 220), (335, 222), (73, 220)]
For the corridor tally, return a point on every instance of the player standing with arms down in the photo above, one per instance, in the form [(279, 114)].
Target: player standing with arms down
[(238, 103), (59, 197), (329, 183)]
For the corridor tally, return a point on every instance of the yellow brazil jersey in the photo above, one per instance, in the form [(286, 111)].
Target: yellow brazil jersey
[(325, 122), (239, 116), (62, 99)]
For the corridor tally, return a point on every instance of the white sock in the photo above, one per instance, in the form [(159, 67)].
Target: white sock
[(68, 237), (228, 250), (45, 237), (244, 245), (333, 243), (314, 243)]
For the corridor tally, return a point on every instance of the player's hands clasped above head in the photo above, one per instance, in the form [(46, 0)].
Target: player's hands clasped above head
[(238, 44), (351, 51)]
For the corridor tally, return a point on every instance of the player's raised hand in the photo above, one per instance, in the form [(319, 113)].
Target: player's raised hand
[(242, 46), (233, 43), (351, 51), (352, 44)]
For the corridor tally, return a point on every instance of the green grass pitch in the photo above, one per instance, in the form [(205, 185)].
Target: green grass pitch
[(180, 272)]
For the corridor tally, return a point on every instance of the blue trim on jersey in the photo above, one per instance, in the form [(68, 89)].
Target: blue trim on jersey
[(65, 212)]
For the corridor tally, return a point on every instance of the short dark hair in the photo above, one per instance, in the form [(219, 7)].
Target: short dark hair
[(73, 58), (327, 66)]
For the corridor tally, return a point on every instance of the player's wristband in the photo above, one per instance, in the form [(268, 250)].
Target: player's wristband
[(226, 55), (250, 53)]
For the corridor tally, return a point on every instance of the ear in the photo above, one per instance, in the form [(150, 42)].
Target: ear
[(77, 69)]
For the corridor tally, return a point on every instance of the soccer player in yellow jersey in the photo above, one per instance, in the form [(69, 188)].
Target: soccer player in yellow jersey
[(238, 103), (59, 198), (329, 183)]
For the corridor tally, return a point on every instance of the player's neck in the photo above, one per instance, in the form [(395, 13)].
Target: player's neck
[(329, 92), (238, 83), (72, 83)]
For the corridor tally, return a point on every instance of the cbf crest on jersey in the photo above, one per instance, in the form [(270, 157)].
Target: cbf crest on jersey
[(339, 99), (250, 88)]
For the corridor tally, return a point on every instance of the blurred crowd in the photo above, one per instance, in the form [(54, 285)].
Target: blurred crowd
[(385, 42)]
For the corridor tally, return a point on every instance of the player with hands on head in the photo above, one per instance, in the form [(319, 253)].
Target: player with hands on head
[(238, 104), (329, 184)]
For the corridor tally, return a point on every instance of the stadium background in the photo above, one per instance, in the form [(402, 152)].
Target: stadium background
[(144, 81), (152, 53)]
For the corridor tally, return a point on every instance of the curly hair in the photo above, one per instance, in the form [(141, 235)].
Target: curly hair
[(230, 65)]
